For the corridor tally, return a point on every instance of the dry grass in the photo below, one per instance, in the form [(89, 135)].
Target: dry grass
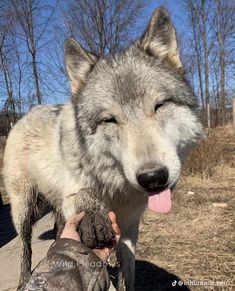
[(196, 240), (212, 153)]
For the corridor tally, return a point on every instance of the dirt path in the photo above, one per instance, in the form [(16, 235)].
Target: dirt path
[(9, 252)]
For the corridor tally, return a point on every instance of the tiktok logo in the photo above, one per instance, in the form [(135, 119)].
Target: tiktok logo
[(174, 283)]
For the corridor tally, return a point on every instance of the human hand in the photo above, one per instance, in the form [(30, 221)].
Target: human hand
[(70, 228), (70, 231)]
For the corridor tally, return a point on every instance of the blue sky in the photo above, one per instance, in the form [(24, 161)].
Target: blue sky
[(51, 59), (173, 6), (52, 54)]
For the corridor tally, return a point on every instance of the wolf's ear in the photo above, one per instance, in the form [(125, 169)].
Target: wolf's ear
[(79, 64), (159, 39)]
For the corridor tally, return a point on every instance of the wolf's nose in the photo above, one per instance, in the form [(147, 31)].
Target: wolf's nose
[(153, 180)]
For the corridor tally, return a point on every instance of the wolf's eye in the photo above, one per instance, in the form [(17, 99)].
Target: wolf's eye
[(109, 120), (157, 106)]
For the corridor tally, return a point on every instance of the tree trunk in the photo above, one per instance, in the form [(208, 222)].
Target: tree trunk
[(205, 53), (221, 42), (36, 81), (194, 21)]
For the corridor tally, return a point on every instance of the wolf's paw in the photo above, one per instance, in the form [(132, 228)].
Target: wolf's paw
[(96, 230)]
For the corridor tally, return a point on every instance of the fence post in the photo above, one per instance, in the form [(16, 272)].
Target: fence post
[(234, 114), (208, 115)]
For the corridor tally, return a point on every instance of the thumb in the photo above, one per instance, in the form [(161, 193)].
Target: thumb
[(73, 221)]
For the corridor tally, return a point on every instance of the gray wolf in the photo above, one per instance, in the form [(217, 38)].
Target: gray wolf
[(124, 133)]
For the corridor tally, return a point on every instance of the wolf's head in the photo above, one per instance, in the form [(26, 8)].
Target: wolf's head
[(135, 111)]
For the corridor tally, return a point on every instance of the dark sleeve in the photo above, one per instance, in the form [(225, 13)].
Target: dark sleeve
[(69, 265)]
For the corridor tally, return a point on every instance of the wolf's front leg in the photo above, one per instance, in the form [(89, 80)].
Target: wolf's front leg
[(126, 258), (86, 199), (95, 229)]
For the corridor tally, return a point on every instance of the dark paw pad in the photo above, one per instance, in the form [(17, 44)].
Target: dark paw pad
[(96, 230)]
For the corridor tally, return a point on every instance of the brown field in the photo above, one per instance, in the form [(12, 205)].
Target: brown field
[(195, 242)]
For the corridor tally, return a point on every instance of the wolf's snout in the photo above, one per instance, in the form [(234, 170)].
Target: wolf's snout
[(153, 180)]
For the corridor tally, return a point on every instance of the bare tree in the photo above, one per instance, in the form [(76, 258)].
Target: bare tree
[(194, 39), (204, 9), (224, 31), (6, 27), (102, 26), (10, 102), (28, 14), (211, 30)]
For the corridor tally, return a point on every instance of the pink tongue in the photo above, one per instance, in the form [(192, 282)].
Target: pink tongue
[(160, 202)]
